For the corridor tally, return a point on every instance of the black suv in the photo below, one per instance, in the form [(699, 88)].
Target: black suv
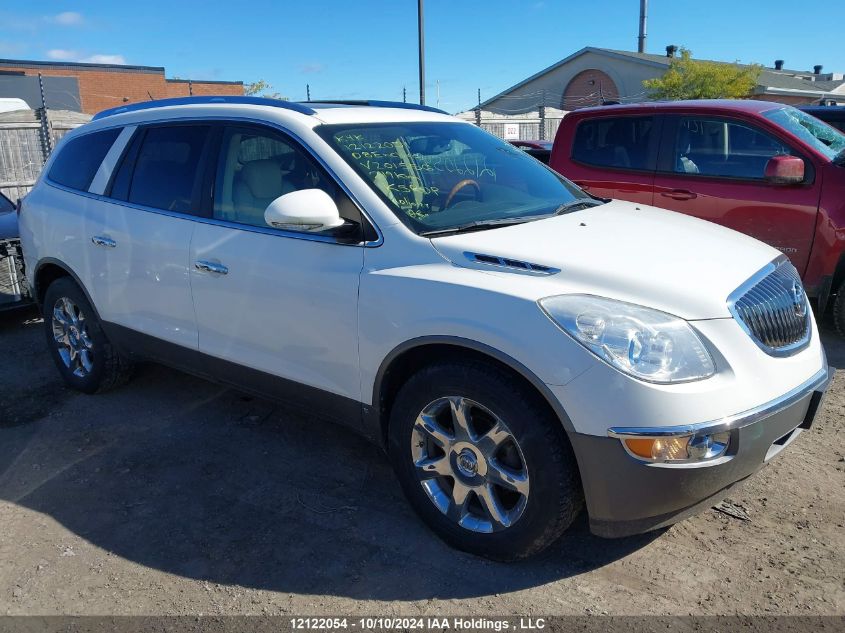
[(832, 115)]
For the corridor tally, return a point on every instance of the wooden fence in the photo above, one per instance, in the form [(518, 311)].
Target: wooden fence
[(26, 139)]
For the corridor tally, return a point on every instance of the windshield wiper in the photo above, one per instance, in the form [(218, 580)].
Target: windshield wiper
[(577, 205), (478, 225)]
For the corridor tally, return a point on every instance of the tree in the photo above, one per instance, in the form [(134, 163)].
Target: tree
[(688, 78), (261, 88)]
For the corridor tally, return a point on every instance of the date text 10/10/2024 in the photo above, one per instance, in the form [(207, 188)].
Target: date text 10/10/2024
[(417, 623)]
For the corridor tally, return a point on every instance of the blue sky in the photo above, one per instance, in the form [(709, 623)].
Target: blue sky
[(368, 48)]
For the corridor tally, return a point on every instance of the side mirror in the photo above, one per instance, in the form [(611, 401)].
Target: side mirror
[(784, 170), (303, 210)]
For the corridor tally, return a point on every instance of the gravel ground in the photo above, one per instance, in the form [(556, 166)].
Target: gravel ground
[(174, 496)]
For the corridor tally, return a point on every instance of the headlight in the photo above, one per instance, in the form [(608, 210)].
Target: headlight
[(641, 342)]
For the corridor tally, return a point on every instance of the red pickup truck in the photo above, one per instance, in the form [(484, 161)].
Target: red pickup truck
[(765, 169)]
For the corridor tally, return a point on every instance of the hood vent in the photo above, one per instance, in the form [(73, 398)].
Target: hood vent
[(512, 264)]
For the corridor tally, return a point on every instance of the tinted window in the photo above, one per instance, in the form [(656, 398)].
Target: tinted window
[(5, 204), (257, 166), (166, 170), (79, 159), (715, 147), (621, 142)]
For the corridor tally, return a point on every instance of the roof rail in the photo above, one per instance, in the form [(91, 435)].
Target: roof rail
[(377, 104), (162, 103)]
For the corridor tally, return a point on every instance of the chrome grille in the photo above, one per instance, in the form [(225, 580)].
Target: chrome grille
[(772, 307)]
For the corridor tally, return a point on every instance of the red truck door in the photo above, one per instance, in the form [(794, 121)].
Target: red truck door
[(609, 156), (712, 167)]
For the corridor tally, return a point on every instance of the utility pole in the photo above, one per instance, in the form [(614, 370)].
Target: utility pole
[(478, 110), (422, 50), (643, 24), (438, 93), (542, 113), (404, 95), (46, 137), (308, 92)]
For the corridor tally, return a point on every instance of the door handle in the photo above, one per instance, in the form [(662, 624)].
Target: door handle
[(211, 267), (679, 194), (102, 240)]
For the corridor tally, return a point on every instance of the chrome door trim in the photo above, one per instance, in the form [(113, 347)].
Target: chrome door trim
[(102, 240), (211, 267)]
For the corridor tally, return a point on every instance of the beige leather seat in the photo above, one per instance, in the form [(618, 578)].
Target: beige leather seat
[(257, 184)]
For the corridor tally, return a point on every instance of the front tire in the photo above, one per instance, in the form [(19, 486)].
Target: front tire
[(85, 358), (483, 461)]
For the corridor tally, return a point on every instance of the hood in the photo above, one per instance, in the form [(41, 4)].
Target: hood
[(626, 251), (8, 225)]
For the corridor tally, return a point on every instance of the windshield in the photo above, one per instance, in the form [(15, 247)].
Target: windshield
[(441, 176), (815, 133)]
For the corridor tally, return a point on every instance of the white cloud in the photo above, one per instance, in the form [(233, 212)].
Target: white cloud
[(62, 55), (68, 18), (313, 67), (105, 59)]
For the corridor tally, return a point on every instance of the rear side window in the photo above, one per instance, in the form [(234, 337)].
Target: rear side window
[(166, 170), (619, 142), (79, 160)]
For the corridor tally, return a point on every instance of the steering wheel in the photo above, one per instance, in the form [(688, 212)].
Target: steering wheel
[(460, 185)]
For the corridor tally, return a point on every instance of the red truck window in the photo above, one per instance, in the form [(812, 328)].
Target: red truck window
[(619, 142), (717, 147)]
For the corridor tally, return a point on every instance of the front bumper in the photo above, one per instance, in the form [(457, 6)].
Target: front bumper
[(628, 496)]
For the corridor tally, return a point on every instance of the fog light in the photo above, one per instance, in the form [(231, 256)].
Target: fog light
[(678, 448)]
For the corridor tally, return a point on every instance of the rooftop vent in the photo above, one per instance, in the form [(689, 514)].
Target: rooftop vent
[(778, 64), (671, 50)]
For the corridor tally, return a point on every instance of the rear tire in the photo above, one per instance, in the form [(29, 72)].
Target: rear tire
[(85, 358), (505, 489), (839, 310)]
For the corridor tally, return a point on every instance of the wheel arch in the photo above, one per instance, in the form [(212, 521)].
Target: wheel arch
[(407, 358), (49, 270)]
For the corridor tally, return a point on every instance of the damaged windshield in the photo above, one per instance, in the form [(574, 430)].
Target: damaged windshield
[(816, 133), (439, 177)]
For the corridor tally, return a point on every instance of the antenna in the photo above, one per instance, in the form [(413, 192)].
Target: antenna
[(421, 30)]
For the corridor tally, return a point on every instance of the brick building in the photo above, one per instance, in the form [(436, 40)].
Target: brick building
[(102, 86)]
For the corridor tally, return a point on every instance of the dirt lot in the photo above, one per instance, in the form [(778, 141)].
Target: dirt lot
[(174, 496)]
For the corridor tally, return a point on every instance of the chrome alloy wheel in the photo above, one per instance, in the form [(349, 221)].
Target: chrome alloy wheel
[(70, 331), (469, 464)]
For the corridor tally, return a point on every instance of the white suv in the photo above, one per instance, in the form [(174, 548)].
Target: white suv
[(517, 346)]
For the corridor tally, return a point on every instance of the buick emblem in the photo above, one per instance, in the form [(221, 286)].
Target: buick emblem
[(799, 305), (467, 463)]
